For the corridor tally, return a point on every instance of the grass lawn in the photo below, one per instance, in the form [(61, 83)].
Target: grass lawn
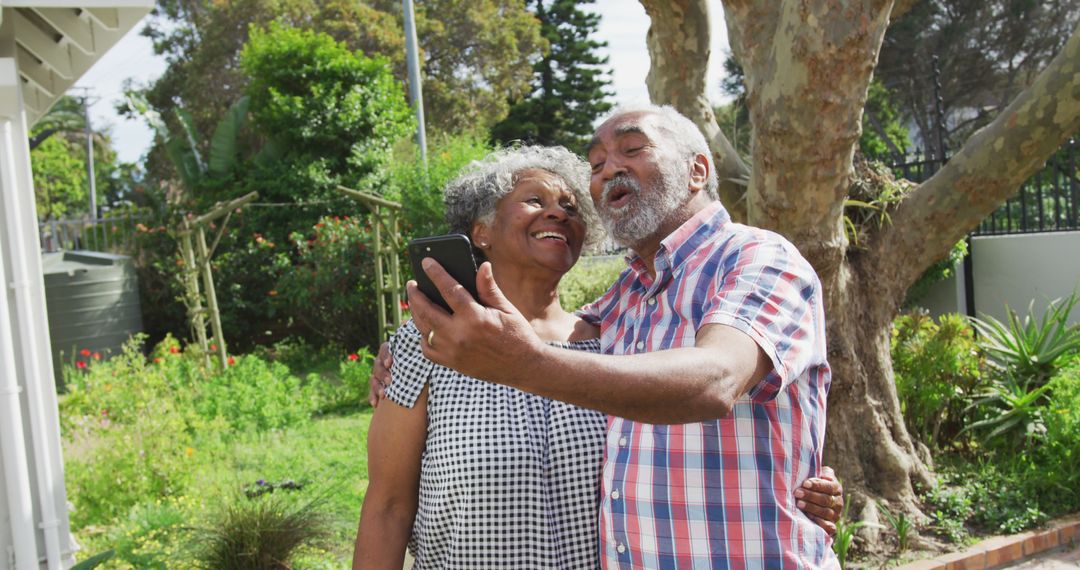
[(326, 456)]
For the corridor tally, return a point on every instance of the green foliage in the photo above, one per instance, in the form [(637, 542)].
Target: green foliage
[(131, 425), (420, 189), (1029, 350), (476, 56), (260, 533), (59, 168), (255, 395), (94, 561), (1011, 415), (569, 87), (355, 371), (939, 271), (156, 465), (336, 111), (937, 368), (900, 524), (949, 509), (331, 287), (845, 536), (588, 280), (883, 136)]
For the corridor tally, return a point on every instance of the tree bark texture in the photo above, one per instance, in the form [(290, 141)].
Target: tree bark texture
[(679, 50), (808, 65)]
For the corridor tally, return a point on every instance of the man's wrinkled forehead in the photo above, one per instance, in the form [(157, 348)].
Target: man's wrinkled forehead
[(629, 123)]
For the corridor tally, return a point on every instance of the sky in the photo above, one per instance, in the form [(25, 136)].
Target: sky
[(623, 25)]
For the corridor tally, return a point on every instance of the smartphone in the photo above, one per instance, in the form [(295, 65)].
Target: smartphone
[(454, 253)]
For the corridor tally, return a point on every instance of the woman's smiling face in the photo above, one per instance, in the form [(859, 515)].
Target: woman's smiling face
[(536, 224)]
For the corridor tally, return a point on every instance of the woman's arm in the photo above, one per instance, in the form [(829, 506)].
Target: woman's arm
[(396, 442)]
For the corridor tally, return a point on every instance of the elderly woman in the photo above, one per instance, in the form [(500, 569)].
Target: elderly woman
[(475, 475), (470, 474)]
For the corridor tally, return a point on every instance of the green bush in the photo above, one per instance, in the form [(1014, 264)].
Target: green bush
[(420, 188), (129, 425), (588, 280), (253, 394), (937, 367), (331, 287)]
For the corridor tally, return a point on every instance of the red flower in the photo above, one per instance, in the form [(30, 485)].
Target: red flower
[(85, 352), (213, 347), (97, 356), (174, 350), (157, 359), (80, 364), (353, 357), (231, 361), (404, 305)]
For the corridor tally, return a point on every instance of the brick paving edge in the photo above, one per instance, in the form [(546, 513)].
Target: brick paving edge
[(998, 551)]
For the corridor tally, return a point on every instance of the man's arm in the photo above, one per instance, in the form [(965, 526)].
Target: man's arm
[(497, 344)]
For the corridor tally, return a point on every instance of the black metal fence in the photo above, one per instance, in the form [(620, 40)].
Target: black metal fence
[(1048, 202)]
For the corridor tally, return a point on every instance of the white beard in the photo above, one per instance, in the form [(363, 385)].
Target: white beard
[(646, 211)]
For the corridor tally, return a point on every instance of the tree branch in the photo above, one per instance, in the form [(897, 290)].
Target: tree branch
[(679, 50), (901, 7), (989, 168)]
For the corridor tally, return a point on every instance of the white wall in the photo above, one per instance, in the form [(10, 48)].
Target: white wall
[(1012, 270)]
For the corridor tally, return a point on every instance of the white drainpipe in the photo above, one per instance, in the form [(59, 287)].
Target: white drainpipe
[(12, 442), (36, 365)]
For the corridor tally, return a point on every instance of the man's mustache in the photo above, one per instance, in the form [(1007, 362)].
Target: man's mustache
[(620, 182)]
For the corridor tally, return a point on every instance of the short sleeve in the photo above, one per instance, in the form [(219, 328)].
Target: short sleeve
[(768, 291), (410, 370)]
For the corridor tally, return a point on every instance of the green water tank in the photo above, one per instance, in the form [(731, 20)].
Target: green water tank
[(93, 304)]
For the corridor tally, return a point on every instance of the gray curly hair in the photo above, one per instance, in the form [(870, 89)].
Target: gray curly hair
[(473, 195)]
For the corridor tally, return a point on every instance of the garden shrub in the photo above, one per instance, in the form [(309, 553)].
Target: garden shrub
[(419, 187), (588, 280), (331, 287), (129, 425), (937, 367), (253, 394)]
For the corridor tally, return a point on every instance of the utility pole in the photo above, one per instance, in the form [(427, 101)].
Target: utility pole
[(416, 94), (90, 156)]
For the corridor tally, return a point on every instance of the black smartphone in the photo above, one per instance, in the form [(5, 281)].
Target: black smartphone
[(454, 253)]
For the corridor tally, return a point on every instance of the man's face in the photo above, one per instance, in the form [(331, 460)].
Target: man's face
[(638, 181)]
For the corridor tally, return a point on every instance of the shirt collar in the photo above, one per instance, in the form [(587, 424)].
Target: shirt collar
[(686, 239)]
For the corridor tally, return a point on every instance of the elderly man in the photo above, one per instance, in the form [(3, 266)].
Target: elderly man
[(717, 393)]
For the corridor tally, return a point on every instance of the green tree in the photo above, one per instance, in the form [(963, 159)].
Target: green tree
[(475, 54), (333, 111), (60, 187), (988, 51), (569, 87)]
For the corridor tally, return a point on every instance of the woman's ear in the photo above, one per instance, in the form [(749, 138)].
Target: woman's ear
[(479, 235)]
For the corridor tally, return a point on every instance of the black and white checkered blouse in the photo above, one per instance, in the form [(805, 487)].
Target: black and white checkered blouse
[(508, 479)]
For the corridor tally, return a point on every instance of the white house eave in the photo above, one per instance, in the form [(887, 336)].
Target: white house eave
[(56, 41)]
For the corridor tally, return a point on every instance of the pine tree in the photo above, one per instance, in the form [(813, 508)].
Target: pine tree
[(569, 87)]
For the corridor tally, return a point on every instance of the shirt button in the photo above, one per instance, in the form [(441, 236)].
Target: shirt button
[(622, 442), (652, 300), (615, 495), (640, 345), (620, 548)]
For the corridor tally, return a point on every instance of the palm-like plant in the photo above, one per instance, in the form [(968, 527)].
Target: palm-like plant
[(1012, 411), (1027, 349)]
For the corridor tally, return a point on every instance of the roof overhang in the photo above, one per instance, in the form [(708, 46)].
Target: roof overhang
[(57, 41)]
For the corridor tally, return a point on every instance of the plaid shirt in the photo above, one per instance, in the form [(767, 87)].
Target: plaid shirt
[(718, 494)]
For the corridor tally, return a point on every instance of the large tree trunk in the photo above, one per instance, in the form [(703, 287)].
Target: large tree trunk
[(808, 64)]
